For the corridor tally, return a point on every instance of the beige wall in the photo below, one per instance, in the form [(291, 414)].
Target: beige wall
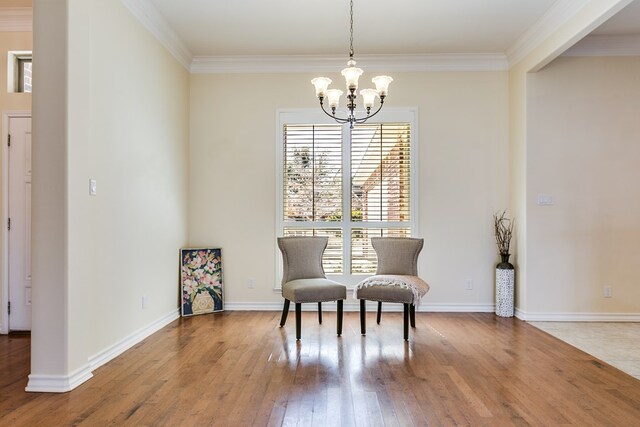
[(590, 16), (126, 126), (16, 3), (583, 139), (463, 159)]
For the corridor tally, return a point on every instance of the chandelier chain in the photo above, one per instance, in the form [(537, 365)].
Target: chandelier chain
[(351, 36)]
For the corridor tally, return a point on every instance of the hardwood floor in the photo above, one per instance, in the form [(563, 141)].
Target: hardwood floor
[(240, 368)]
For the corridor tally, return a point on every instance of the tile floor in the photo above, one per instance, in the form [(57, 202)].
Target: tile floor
[(618, 344)]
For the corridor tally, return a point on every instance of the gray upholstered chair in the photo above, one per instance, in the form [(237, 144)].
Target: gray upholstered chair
[(396, 279), (303, 278)]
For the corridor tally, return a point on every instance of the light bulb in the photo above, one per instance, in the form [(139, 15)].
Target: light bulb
[(351, 75), (334, 97), (321, 84), (368, 97), (382, 84)]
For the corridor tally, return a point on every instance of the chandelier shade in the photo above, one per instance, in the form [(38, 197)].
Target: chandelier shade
[(352, 75)]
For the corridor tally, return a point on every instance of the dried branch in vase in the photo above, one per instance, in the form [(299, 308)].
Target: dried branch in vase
[(503, 231)]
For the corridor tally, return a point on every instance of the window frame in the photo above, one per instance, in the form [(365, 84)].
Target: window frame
[(316, 116), (15, 59)]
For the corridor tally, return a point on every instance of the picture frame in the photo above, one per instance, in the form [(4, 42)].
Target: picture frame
[(201, 281)]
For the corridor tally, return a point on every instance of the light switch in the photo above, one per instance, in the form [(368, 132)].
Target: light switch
[(92, 187), (545, 200)]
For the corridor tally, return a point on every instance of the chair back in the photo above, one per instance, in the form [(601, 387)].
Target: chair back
[(302, 257), (397, 255)]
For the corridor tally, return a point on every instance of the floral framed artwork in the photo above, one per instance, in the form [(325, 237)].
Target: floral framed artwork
[(201, 280)]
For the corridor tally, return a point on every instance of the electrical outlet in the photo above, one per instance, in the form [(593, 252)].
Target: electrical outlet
[(145, 301), (469, 284), (251, 283), (608, 291)]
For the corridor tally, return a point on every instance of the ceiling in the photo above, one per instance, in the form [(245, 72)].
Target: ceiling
[(624, 23), (321, 27)]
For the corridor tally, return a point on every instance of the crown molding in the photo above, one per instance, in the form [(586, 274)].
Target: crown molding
[(601, 45), (153, 21), (319, 63), (553, 19), (16, 19)]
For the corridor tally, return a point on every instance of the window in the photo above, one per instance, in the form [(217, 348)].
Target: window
[(19, 72), (349, 185), (24, 75)]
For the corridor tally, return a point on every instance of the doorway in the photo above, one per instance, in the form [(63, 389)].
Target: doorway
[(16, 232)]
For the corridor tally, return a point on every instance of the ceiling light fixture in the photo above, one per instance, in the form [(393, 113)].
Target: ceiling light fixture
[(351, 75)]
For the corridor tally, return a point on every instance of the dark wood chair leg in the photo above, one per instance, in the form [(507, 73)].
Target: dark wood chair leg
[(340, 317), (363, 320), (285, 312), (406, 322), (413, 316), (320, 313), (379, 312), (298, 320)]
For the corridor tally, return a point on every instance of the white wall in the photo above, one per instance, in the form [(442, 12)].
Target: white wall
[(583, 137), (125, 125), (463, 175)]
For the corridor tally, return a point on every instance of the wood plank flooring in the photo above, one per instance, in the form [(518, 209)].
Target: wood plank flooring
[(241, 369)]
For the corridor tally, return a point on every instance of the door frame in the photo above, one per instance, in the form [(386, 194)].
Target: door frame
[(4, 248)]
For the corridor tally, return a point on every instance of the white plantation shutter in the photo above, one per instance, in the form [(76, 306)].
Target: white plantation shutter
[(380, 188), (312, 173), (349, 185), (380, 173)]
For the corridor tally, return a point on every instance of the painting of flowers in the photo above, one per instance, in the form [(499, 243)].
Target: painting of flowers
[(201, 280)]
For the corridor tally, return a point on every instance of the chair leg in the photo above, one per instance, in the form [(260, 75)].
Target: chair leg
[(363, 320), (298, 320), (379, 312), (320, 313), (406, 322), (413, 316), (340, 317), (285, 312)]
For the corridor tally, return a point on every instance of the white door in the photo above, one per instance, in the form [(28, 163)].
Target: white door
[(19, 225)]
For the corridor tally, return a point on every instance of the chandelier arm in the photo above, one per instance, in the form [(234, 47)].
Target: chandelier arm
[(364, 119), (337, 119)]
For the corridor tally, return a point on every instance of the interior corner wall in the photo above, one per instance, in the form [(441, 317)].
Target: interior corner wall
[(589, 17), (517, 182), (583, 137), (463, 175), (114, 108), (49, 195), (131, 136)]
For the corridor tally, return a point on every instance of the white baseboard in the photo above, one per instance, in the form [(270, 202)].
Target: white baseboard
[(58, 383), (126, 343), (64, 383), (354, 306), (577, 317)]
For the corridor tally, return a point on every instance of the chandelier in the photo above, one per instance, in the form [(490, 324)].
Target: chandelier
[(351, 75)]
